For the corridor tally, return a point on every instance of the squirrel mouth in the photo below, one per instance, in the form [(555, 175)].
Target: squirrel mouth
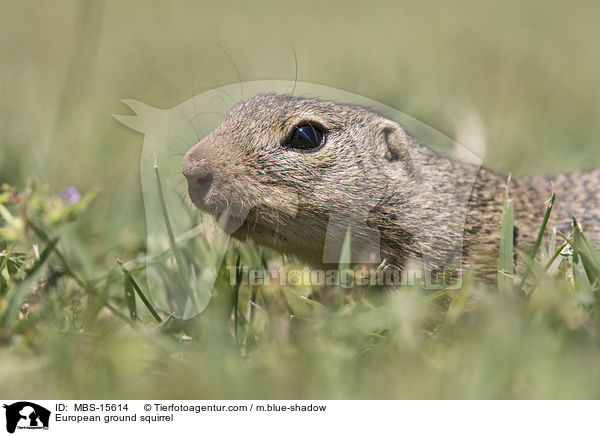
[(226, 218)]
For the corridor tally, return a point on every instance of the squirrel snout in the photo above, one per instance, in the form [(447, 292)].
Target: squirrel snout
[(199, 177), (200, 184)]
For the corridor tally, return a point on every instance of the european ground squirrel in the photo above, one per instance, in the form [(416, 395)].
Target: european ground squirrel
[(281, 167)]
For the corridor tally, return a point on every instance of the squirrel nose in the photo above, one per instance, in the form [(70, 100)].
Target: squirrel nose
[(201, 184), (199, 177)]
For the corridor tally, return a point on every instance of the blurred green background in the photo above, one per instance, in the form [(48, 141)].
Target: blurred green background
[(528, 72), (519, 77)]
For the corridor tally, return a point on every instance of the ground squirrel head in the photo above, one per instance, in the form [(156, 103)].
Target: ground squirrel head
[(278, 167), (294, 173)]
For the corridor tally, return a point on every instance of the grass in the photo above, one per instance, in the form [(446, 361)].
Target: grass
[(75, 325), (66, 335)]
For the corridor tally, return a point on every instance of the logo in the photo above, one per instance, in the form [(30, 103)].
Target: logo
[(345, 231), (26, 415)]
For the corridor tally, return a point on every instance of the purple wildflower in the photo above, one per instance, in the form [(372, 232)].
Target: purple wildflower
[(70, 195)]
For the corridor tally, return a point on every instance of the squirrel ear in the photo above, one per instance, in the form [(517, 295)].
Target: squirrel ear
[(392, 141)]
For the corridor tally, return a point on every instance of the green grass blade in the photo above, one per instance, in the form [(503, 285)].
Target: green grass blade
[(346, 251), (555, 256), (344, 270), (130, 299), (590, 258), (19, 289), (538, 241), (506, 267), (138, 290), (236, 295), (183, 276)]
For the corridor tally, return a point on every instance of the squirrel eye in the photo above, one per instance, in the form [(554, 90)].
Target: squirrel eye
[(306, 136)]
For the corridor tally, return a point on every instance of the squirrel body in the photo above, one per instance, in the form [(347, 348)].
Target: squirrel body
[(367, 173)]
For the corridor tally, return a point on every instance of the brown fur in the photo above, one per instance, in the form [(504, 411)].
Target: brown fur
[(424, 205)]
